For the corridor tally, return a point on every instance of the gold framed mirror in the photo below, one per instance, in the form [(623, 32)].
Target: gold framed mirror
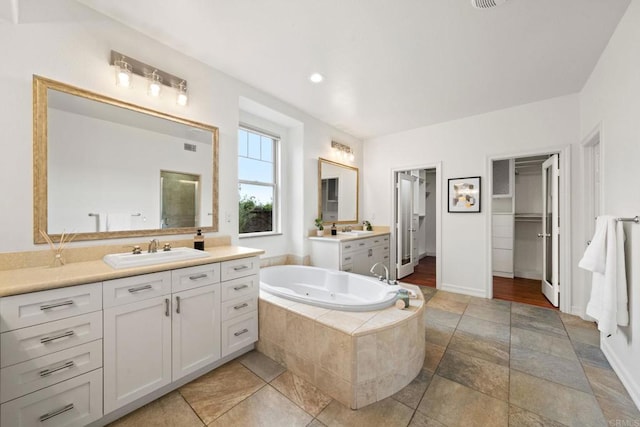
[(338, 192), (101, 168)]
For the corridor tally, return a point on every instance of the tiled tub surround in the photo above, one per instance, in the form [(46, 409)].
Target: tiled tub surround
[(357, 358)]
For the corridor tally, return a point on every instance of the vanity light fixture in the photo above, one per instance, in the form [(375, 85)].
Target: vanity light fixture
[(126, 67), (155, 83), (182, 97), (343, 151)]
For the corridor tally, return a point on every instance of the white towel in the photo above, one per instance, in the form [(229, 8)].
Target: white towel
[(118, 221), (604, 257)]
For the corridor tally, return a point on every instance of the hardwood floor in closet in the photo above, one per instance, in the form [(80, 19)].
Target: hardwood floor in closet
[(525, 291)]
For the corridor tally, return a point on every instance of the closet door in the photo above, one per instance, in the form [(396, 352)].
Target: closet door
[(550, 230)]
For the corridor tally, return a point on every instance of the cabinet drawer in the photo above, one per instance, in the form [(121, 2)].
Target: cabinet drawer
[(239, 268), (236, 307), (363, 243), (75, 402), (239, 332), (137, 288), (502, 260), (194, 277), (24, 310), (347, 259), (240, 287), (36, 374), (348, 247), (35, 341)]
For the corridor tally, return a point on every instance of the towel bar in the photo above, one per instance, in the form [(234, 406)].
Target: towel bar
[(635, 219)]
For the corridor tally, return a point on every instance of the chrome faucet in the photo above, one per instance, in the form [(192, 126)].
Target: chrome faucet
[(153, 246), (386, 274)]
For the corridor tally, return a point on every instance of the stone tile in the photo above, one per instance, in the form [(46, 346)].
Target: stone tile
[(273, 322), (493, 303), (428, 292), (605, 383), (544, 325), (299, 338), (421, 420), (310, 311), (334, 386), (316, 423), (302, 393), (584, 335), (575, 321), (549, 367), (446, 318), (619, 413), (438, 334), (591, 355), (432, 355), (454, 296), (453, 404), (215, 393), (261, 365), (447, 304), (531, 340), (552, 401), (478, 374), (267, 407), (412, 394), (333, 350), (367, 358), (491, 314), (484, 329), (345, 321), (534, 311), (387, 412), (487, 349), (519, 417), (167, 411)]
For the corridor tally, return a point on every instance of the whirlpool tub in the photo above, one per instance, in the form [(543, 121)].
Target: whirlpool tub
[(335, 290)]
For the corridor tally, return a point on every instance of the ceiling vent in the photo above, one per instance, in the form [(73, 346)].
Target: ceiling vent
[(486, 4)]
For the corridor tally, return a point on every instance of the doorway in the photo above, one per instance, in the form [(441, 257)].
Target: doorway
[(526, 199), (416, 218)]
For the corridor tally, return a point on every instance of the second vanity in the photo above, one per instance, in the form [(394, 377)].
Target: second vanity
[(355, 253), (84, 344)]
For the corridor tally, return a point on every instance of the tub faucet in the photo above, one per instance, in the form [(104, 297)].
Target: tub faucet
[(153, 246), (379, 276)]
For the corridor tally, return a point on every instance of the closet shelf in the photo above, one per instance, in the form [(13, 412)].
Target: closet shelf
[(533, 217)]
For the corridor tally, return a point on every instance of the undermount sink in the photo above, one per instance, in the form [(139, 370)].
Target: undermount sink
[(355, 232), (128, 259)]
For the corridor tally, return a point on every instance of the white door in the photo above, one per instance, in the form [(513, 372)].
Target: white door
[(137, 350), (195, 329), (404, 227), (550, 230)]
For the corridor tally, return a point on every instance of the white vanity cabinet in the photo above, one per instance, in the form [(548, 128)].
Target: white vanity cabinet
[(351, 255), (51, 357)]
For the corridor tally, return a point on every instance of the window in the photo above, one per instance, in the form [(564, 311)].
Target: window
[(257, 181)]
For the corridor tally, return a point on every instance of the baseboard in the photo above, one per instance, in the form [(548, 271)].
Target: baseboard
[(627, 380), (480, 293), (501, 274), (426, 254), (533, 275)]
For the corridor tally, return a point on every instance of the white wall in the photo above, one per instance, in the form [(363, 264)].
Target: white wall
[(610, 100), (65, 41), (464, 146), (430, 218)]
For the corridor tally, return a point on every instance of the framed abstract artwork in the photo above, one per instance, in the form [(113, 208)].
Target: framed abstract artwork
[(464, 195)]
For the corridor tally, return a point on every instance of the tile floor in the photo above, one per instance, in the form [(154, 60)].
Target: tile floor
[(488, 363)]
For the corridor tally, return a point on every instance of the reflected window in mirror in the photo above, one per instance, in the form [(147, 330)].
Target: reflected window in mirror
[(257, 182), (101, 165), (337, 192)]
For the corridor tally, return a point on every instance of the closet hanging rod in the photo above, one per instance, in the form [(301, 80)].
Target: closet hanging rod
[(635, 219)]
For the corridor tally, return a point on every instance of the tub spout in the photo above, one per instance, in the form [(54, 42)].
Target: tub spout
[(380, 276)]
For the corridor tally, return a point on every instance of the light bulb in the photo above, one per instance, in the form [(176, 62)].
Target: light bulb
[(182, 97), (155, 83), (123, 73)]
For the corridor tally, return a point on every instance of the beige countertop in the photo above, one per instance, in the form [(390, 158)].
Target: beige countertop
[(23, 280), (342, 237)]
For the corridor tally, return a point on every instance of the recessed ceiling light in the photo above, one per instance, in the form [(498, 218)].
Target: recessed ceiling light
[(316, 77)]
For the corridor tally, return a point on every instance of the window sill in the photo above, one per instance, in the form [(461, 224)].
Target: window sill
[(252, 235)]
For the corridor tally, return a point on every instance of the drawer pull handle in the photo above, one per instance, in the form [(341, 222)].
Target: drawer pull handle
[(52, 414), (198, 276), (240, 268), (57, 337), (57, 304), (239, 288), (178, 304), (140, 288), (348, 258), (239, 306), (347, 247), (244, 331), (47, 372), (166, 307)]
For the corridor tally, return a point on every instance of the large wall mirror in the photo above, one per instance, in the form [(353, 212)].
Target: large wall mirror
[(104, 168), (337, 192)]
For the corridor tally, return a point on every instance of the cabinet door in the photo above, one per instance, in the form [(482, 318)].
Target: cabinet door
[(195, 329), (137, 350), (363, 260)]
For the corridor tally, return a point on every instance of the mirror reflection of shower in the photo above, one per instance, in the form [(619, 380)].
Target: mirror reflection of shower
[(180, 199)]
